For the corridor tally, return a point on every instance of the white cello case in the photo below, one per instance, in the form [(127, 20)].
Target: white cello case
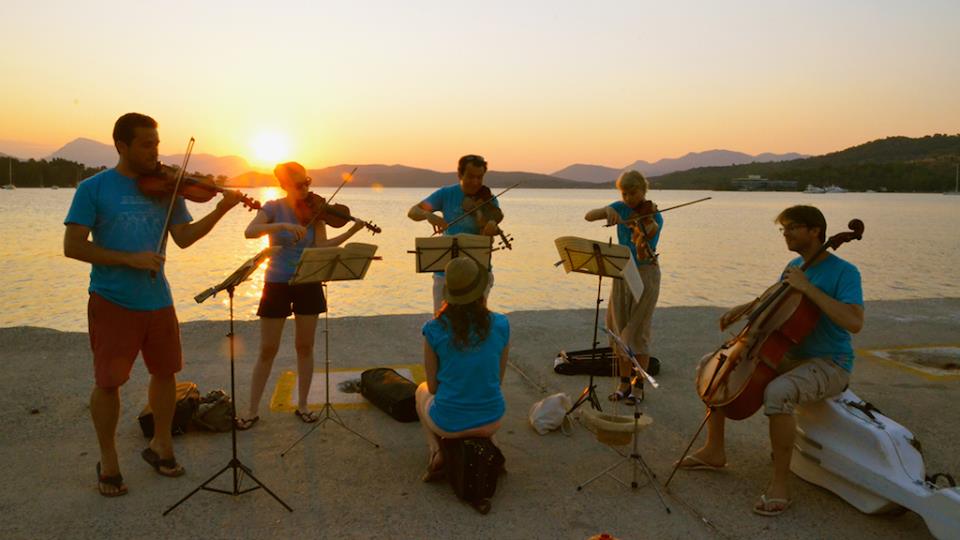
[(870, 461)]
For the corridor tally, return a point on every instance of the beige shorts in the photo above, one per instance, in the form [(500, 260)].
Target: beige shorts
[(803, 381)]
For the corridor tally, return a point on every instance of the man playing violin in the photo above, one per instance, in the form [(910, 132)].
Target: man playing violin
[(817, 368), (638, 227), (130, 310), (453, 202), (286, 221)]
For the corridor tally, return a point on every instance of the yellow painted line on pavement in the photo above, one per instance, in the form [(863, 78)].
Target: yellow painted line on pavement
[(286, 388), (930, 374)]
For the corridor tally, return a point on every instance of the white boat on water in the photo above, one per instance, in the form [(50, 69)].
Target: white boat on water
[(814, 189), (10, 176), (956, 189), (834, 189)]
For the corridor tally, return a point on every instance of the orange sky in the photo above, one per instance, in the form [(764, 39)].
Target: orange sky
[(535, 86)]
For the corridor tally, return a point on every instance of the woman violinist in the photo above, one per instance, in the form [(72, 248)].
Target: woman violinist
[(638, 227), (283, 220), (817, 367)]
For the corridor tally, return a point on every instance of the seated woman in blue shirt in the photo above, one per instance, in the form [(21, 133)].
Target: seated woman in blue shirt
[(464, 355)]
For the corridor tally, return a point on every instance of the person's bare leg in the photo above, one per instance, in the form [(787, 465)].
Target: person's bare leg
[(271, 330), (306, 326), (434, 456), (105, 412), (162, 397), (713, 452), (782, 434)]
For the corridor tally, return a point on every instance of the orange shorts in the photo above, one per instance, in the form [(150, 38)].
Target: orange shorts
[(118, 334)]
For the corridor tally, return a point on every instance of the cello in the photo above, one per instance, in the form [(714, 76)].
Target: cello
[(733, 379)]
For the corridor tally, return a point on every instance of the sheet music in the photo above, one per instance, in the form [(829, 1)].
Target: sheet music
[(631, 275)]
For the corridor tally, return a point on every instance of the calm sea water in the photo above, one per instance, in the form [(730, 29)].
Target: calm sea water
[(720, 252)]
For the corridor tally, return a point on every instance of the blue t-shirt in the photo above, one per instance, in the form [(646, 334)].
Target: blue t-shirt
[(449, 201), (468, 380), (840, 280), (121, 218), (283, 265), (625, 233)]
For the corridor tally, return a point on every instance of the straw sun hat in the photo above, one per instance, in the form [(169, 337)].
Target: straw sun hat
[(465, 281)]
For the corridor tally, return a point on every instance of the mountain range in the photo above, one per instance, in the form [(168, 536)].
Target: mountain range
[(710, 158), (96, 154), (403, 176)]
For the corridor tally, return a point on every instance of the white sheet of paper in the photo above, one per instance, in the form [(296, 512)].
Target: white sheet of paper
[(631, 275)]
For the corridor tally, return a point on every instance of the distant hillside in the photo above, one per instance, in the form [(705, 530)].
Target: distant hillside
[(892, 164), (710, 158), (403, 176), (588, 173), (97, 154)]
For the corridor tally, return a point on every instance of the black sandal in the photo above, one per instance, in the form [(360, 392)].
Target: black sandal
[(622, 395), (153, 458), (115, 481), (244, 424)]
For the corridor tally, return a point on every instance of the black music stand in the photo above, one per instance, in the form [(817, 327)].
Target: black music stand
[(602, 259), (239, 469), (348, 262), (434, 252)]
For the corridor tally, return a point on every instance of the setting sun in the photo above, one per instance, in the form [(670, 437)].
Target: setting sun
[(270, 147)]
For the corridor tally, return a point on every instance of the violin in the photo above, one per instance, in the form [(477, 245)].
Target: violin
[(160, 184), (644, 226), (735, 376), (315, 208), (480, 205)]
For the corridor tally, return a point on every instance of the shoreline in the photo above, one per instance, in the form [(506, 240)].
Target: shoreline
[(426, 315)]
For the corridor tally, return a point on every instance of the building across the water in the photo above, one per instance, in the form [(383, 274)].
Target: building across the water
[(754, 182)]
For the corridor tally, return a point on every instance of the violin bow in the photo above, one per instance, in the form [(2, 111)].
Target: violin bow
[(479, 206), (162, 244), (639, 218), (349, 178)]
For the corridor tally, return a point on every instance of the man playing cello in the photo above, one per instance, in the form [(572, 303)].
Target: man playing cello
[(818, 367)]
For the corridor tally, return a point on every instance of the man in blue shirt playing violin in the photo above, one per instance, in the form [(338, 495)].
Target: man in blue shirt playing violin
[(453, 202), (817, 367), (130, 311)]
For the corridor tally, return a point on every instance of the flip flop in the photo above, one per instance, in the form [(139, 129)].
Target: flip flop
[(693, 463), (308, 417), (766, 504), (435, 470), (244, 424), (115, 481), (153, 459)]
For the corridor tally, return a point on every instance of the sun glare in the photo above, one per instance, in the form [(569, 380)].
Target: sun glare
[(270, 147)]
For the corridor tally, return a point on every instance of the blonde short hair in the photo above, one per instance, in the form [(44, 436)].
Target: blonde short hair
[(631, 180), (286, 171)]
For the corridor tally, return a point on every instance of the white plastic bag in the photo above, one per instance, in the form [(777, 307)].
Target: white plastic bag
[(550, 413)]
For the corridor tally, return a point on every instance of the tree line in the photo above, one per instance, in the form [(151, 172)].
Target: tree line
[(57, 172)]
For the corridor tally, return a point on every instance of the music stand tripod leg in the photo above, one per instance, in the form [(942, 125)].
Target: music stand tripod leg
[(327, 406), (590, 391), (235, 464)]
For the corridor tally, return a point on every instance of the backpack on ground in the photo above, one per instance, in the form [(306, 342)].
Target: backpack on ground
[(473, 466), (188, 399)]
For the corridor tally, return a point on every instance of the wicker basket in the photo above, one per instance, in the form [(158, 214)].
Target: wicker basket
[(613, 429)]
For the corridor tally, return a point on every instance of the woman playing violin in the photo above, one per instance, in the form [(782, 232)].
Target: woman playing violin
[(816, 368), (283, 220), (638, 227)]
